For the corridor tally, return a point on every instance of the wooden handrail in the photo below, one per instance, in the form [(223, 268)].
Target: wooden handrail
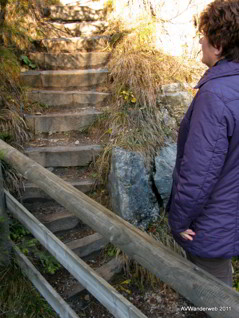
[(201, 288), (97, 286), (42, 285)]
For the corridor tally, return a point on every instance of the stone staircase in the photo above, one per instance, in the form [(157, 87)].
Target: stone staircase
[(71, 85)]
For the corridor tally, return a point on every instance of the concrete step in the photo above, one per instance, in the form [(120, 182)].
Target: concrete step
[(60, 99), (87, 245), (74, 13), (74, 44), (64, 156), (60, 122), (77, 29), (69, 61), (64, 79)]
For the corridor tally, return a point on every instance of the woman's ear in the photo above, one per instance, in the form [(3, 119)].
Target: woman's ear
[(218, 51)]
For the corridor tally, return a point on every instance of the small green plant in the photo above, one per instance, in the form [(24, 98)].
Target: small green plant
[(49, 263), (111, 250), (31, 247), (5, 136), (27, 61), (17, 231)]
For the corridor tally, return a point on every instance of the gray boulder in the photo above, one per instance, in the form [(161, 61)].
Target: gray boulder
[(130, 188), (164, 165)]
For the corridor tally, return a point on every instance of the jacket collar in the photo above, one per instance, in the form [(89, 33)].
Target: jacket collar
[(222, 68)]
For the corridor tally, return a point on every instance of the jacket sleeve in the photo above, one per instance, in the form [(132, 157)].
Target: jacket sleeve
[(203, 159)]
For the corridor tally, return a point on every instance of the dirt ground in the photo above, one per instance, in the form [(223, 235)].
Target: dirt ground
[(154, 302)]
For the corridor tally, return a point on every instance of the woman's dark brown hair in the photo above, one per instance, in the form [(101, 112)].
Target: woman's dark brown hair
[(219, 22)]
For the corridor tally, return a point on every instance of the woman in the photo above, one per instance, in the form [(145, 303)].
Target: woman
[(204, 204)]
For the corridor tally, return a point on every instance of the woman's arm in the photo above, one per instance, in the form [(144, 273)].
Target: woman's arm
[(203, 159)]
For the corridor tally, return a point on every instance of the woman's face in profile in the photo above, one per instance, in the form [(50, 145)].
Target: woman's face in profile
[(210, 54)]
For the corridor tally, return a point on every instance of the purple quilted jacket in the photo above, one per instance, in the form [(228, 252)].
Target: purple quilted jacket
[(205, 191)]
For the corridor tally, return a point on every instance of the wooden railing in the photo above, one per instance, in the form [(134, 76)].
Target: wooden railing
[(199, 287)]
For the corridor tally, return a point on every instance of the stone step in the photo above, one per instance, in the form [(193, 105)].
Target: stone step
[(74, 13), (80, 178), (74, 44), (106, 271), (31, 192), (69, 61), (63, 156), (60, 122), (60, 99), (54, 216), (87, 245), (59, 221), (77, 29), (64, 79), (95, 4)]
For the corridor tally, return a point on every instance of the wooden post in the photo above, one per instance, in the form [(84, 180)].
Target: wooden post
[(4, 228)]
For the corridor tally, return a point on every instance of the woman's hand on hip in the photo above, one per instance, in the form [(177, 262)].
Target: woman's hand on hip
[(188, 234)]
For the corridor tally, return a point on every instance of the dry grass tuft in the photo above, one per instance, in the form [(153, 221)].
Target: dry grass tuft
[(18, 297), (12, 125), (24, 23), (134, 118)]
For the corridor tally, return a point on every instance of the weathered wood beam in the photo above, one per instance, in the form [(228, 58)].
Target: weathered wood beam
[(201, 288), (5, 246), (45, 289), (97, 286)]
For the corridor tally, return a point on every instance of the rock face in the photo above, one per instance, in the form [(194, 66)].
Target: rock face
[(175, 99), (136, 192), (130, 188), (164, 165), (175, 32)]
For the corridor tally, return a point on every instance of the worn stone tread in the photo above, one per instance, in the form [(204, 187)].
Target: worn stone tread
[(64, 78), (31, 192), (106, 271), (54, 216), (72, 98), (87, 245), (73, 13), (99, 4), (61, 122), (86, 28), (60, 221), (63, 156), (75, 44), (70, 61)]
